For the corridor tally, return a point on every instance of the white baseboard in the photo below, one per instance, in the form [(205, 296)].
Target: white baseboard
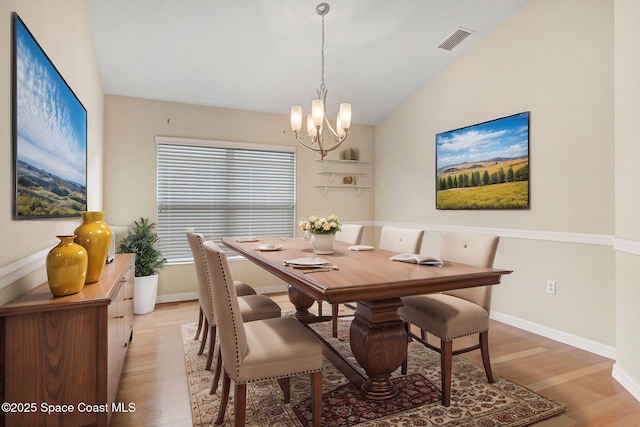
[(626, 381), (186, 296), (556, 335)]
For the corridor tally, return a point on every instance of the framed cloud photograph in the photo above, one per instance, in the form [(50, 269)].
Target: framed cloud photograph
[(49, 134), (485, 165)]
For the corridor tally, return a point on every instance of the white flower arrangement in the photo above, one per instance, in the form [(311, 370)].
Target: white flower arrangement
[(317, 225)]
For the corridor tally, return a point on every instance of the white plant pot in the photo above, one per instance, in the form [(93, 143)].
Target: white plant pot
[(145, 290)]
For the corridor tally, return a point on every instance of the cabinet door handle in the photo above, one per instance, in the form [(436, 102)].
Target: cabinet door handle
[(128, 298), (119, 317)]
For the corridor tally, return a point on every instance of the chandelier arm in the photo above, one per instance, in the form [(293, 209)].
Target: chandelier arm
[(328, 125), (304, 144), (339, 141), (322, 94)]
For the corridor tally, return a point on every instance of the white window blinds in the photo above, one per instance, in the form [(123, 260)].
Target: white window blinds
[(222, 190)]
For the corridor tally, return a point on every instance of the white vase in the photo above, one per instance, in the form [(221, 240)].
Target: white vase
[(322, 244), (145, 290)]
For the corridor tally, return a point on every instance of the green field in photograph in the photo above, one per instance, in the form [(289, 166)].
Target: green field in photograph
[(510, 195)]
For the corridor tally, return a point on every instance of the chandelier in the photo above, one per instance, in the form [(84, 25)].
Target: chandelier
[(318, 125)]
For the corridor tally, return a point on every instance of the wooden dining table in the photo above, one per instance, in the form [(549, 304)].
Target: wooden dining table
[(377, 335)]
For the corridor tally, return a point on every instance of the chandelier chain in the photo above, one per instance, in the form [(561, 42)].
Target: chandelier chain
[(322, 87)]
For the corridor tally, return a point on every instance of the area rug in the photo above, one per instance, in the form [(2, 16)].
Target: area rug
[(474, 402)]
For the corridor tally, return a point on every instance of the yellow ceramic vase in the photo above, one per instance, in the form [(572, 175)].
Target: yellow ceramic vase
[(66, 267), (95, 236)]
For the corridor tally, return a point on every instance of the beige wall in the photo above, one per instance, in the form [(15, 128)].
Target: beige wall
[(627, 106), (131, 126), (574, 65), (554, 59), (62, 29)]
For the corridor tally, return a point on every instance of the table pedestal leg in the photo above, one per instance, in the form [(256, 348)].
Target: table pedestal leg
[(379, 344), (302, 302)]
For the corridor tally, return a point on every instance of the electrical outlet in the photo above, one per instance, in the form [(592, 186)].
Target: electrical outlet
[(551, 287)]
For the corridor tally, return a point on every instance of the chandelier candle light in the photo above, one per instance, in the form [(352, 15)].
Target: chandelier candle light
[(317, 120)]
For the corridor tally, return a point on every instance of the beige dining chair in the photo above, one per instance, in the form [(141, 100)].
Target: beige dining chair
[(203, 294), (252, 306), (268, 349), (241, 288), (401, 240), (352, 235), (458, 313)]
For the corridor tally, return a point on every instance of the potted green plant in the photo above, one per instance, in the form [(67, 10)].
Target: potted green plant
[(141, 239)]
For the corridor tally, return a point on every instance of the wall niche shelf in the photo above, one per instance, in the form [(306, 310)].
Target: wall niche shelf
[(325, 188), (333, 174), (327, 162), (343, 169)]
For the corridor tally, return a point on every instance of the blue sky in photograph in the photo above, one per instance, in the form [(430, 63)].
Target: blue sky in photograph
[(51, 122), (506, 137)]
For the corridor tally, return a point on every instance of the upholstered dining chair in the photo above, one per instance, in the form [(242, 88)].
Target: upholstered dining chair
[(252, 306), (458, 313), (401, 240), (203, 291), (241, 288), (203, 294), (351, 234), (276, 348)]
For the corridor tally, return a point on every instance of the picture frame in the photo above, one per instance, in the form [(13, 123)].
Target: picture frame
[(484, 166), (49, 132)]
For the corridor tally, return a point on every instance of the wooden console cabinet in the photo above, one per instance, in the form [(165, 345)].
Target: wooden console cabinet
[(61, 358)]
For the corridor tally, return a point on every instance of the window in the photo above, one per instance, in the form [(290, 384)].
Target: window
[(222, 189)]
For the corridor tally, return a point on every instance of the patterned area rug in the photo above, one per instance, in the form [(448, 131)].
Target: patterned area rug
[(474, 402), (344, 406)]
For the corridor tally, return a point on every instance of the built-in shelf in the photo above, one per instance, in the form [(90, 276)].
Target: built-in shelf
[(343, 161), (325, 188), (333, 173), (343, 172)]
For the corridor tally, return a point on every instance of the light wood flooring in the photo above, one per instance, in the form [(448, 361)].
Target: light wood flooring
[(154, 377)]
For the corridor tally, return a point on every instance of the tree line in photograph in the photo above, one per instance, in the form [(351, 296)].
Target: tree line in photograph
[(477, 179)]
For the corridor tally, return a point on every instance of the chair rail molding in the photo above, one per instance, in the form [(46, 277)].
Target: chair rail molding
[(15, 271), (552, 236), (628, 246)]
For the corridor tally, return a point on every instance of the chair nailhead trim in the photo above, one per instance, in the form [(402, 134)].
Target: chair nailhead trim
[(458, 336)]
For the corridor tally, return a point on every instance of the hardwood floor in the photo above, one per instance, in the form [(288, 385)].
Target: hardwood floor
[(154, 377)]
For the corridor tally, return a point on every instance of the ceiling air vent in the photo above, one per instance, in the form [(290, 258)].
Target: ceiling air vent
[(456, 38)]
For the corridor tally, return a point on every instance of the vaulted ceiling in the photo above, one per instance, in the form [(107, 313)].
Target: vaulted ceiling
[(264, 55)]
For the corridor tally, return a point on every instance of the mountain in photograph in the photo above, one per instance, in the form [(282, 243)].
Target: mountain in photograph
[(498, 161), (41, 193)]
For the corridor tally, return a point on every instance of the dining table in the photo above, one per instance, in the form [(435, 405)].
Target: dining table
[(378, 337)]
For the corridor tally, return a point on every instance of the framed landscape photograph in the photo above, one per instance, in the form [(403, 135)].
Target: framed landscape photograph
[(49, 135), (484, 166)]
